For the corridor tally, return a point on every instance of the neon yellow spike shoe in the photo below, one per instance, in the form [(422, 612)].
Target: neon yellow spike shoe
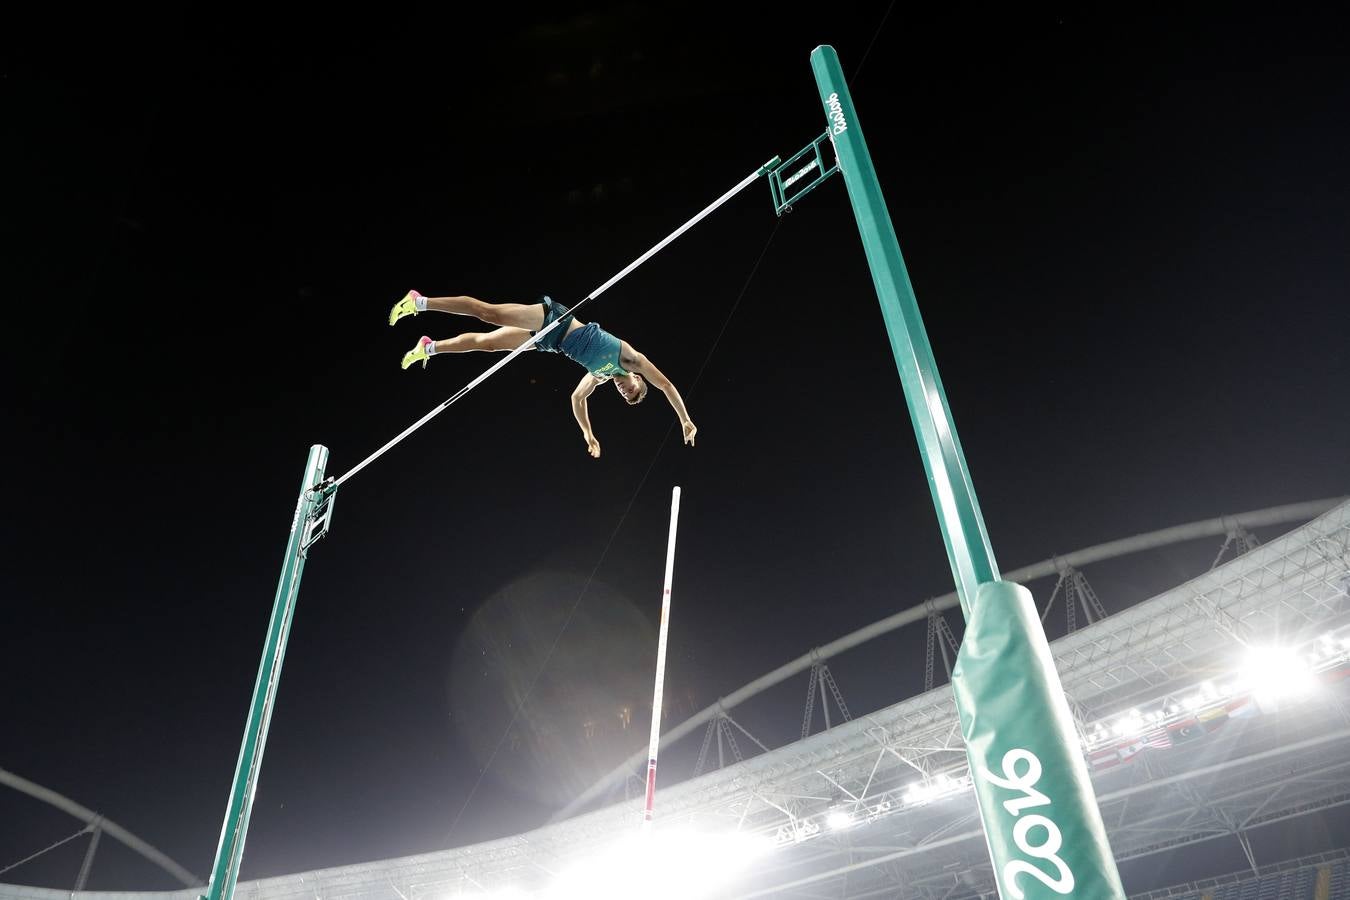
[(419, 354), (405, 307)]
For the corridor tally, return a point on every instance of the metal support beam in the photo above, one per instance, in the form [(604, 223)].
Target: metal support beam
[(1092, 606), (837, 694), (940, 637), (1246, 843), (88, 857), (810, 699), (820, 679), (1237, 537)]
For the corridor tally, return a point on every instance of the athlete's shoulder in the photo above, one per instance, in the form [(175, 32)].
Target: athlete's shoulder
[(628, 353)]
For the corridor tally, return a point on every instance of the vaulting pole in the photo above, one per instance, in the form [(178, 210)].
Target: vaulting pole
[(661, 661)]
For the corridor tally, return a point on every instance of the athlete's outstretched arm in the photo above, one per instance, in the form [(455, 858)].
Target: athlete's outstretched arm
[(584, 390), (644, 367)]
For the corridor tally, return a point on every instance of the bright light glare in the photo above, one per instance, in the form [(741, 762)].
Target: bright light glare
[(838, 820), (1277, 673), (1129, 724), (941, 786), (672, 863)]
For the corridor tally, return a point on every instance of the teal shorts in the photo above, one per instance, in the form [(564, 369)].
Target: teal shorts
[(552, 342)]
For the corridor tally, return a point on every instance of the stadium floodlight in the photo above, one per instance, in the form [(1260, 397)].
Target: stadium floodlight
[(838, 819), (1204, 695), (1131, 723), (1326, 648), (941, 785), (1276, 673)]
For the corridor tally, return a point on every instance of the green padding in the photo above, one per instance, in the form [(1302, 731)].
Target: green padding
[(1041, 820)]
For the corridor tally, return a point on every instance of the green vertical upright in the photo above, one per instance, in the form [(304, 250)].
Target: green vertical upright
[(1041, 820), (303, 533)]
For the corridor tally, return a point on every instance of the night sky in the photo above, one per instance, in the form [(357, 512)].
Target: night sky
[(1130, 240)]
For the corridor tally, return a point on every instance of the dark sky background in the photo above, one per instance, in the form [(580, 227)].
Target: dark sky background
[(1130, 239)]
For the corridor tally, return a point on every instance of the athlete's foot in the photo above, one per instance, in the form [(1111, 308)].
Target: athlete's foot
[(405, 307), (420, 353)]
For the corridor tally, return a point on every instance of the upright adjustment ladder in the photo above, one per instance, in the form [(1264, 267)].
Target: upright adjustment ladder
[(788, 190), (322, 497)]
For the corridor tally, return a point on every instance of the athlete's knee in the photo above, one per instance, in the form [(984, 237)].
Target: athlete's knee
[(480, 309)]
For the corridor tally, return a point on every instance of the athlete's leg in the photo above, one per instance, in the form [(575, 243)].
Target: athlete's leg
[(501, 339), (508, 338), (529, 316)]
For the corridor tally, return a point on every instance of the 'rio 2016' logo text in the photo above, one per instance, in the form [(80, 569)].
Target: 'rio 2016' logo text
[(1031, 798), (836, 113)]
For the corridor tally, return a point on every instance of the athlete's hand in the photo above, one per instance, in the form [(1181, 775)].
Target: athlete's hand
[(690, 429), (593, 446)]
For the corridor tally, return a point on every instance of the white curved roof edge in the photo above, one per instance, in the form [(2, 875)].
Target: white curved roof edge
[(94, 820)]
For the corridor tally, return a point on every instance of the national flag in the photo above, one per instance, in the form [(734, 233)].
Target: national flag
[(1213, 719), (1187, 730), (1243, 708), (1104, 759), (1130, 748), (1158, 739)]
